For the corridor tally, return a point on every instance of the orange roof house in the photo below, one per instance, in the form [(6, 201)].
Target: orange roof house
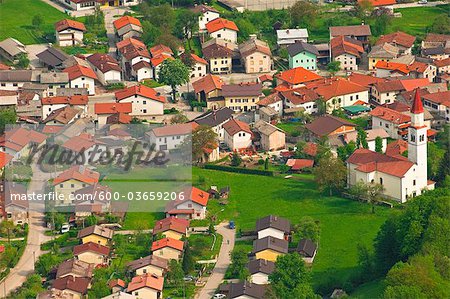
[(126, 20), (147, 280), (168, 242), (398, 38), (393, 66), (339, 87), (220, 23), (160, 49), (296, 76), (66, 24), (112, 108), (345, 45), (171, 227), (207, 84), (140, 90), (5, 159), (79, 173), (191, 204), (77, 71), (66, 100), (378, 3)]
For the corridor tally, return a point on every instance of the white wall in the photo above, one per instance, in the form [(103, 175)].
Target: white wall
[(239, 140), (348, 62), (144, 106), (260, 278), (198, 70), (205, 18), (84, 82), (167, 142), (226, 34), (271, 232)]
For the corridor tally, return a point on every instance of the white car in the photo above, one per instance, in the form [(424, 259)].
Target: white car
[(422, 2), (65, 228), (219, 296)]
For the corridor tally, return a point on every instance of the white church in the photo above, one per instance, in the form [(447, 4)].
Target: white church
[(401, 177)]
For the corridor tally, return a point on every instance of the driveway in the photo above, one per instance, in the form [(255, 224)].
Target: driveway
[(36, 237), (111, 14), (223, 261)]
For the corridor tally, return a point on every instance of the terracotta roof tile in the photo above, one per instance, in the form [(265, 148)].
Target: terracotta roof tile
[(234, 126), (146, 281), (175, 129), (104, 62), (398, 38), (126, 20), (207, 84), (141, 90), (79, 173), (339, 87), (297, 76), (90, 247), (299, 96), (393, 66), (345, 45), (171, 223), (219, 23), (68, 100), (390, 115), (77, 71), (75, 284), (168, 242), (111, 108), (160, 49), (64, 24), (160, 58)]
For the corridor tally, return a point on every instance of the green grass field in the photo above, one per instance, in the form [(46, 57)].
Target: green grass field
[(415, 20), (16, 17)]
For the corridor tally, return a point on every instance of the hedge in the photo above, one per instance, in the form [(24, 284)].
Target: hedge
[(239, 169)]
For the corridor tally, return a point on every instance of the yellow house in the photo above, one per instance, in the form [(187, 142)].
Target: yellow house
[(385, 52), (167, 248), (95, 234), (242, 97), (73, 179), (92, 253), (269, 248), (171, 227)]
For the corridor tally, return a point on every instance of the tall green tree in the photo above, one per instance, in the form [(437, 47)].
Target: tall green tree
[(7, 228), (186, 25), (173, 73), (330, 174), (37, 21), (188, 260), (307, 228), (333, 67), (291, 279), (175, 275), (203, 137), (303, 14), (238, 268), (379, 144)]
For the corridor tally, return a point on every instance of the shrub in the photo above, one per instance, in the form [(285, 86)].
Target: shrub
[(239, 170)]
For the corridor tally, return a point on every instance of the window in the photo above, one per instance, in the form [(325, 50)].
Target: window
[(422, 138), (15, 84), (3, 84), (144, 102), (413, 138), (61, 185), (414, 182), (72, 185), (381, 181)]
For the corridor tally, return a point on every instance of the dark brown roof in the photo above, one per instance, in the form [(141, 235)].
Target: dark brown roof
[(234, 126), (146, 261), (300, 95), (214, 118), (355, 30), (52, 57), (327, 124), (76, 284), (216, 50), (247, 289), (90, 247), (275, 222), (270, 243), (104, 62), (242, 90), (301, 46), (74, 266), (96, 230), (306, 248), (261, 266)]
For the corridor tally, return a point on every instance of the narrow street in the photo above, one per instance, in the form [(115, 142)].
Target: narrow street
[(223, 261), (36, 237), (111, 14)]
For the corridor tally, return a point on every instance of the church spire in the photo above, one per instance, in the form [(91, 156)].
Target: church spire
[(417, 106)]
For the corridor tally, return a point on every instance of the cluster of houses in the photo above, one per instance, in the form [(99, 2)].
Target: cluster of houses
[(73, 277), (273, 237)]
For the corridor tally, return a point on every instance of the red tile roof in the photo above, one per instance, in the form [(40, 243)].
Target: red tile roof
[(418, 66), (168, 242), (126, 20), (390, 115), (440, 97), (171, 223), (197, 195), (141, 90), (369, 161), (411, 84), (207, 84), (146, 281), (397, 38), (219, 23), (442, 62), (160, 58), (77, 71), (175, 129), (393, 66), (18, 138), (64, 24), (90, 247), (265, 78), (364, 80), (310, 149), (397, 147), (5, 159), (299, 164), (376, 3), (79, 173), (234, 126), (417, 106), (299, 96), (131, 48), (345, 45), (111, 108), (270, 99), (198, 59), (75, 284), (79, 143), (297, 75), (4, 67), (104, 62), (339, 87), (68, 100), (160, 49), (117, 282)]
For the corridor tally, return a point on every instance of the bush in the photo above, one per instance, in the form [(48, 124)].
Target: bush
[(239, 170), (115, 86), (260, 161)]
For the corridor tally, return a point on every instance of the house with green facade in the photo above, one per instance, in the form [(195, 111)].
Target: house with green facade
[(303, 54)]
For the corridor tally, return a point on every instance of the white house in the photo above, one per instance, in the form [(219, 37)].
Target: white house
[(106, 68), (286, 37), (347, 51), (142, 70), (104, 110), (273, 101), (170, 137), (192, 206), (82, 77), (69, 32), (437, 102), (127, 26), (223, 29), (260, 270), (300, 99), (237, 135), (51, 104), (401, 178), (145, 100), (199, 65), (216, 120), (206, 15), (132, 51), (273, 226)]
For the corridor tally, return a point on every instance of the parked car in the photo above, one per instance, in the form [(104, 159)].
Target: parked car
[(219, 296), (422, 2), (231, 224), (65, 228)]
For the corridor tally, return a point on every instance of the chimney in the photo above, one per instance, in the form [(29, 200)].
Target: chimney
[(253, 37)]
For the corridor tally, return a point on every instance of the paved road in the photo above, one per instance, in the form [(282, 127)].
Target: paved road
[(111, 14), (223, 261), (36, 237)]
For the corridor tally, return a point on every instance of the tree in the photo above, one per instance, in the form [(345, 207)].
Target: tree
[(308, 228), (173, 73), (441, 24), (186, 25), (7, 116), (238, 267), (236, 160), (330, 174), (366, 262), (162, 16), (203, 137), (381, 24), (175, 274), (361, 139), (435, 155), (303, 14), (344, 152), (333, 67), (379, 144), (321, 105), (188, 260), (363, 9), (266, 164), (150, 33), (7, 227), (291, 279), (37, 21), (369, 191), (179, 119), (23, 61)]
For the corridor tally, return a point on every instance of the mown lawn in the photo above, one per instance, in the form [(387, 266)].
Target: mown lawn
[(416, 20), (373, 290), (16, 17), (344, 223)]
